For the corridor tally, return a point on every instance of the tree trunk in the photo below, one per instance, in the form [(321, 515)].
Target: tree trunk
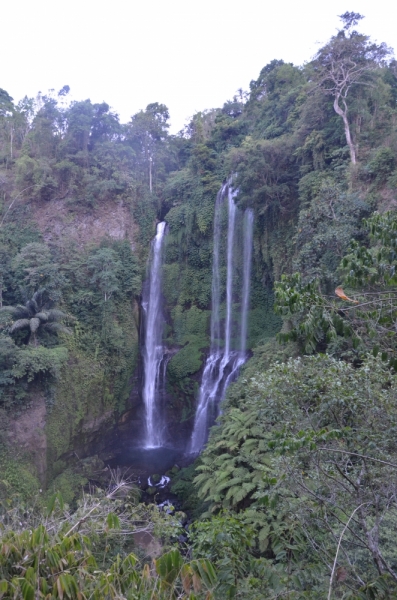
[(343, 113)]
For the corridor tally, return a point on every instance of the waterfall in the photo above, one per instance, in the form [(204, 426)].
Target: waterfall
[(215, 325), (247, 254), (153, 352), (223, 363), (229, 279)]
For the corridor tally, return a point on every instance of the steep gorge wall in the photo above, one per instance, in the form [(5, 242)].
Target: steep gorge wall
[(74, 415)]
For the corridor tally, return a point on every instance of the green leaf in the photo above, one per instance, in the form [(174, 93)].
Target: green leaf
[(27, 590), (112, 521)]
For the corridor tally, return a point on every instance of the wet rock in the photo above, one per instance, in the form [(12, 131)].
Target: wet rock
[(161, 483)]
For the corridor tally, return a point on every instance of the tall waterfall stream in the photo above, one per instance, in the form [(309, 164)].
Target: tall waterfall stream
[(225, 360), (154, 351)]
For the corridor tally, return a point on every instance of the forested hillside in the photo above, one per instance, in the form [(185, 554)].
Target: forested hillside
[(294, 495)]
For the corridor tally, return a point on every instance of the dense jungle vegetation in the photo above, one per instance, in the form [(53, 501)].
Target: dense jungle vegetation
[(295, 494)]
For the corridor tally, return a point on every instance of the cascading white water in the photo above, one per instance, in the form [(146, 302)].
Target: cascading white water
[(153, 352), (229, 278), (248, 236), (216, 299), (222, 364)]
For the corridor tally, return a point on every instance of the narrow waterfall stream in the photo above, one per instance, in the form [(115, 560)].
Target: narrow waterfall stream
[(153, 351), (247, 254), (224, 361)]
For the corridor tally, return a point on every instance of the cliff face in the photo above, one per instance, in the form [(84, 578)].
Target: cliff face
[(89, 401), (26, 433), (60, 223), (71, 415)]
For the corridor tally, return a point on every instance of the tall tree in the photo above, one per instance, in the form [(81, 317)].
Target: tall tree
[(345, 61), (146, 133)]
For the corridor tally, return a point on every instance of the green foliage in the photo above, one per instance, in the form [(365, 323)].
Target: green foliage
[(8, 355), (38, 316), (346, 61), (367, 322), (266, 463), (104, 267), (69, 485), (326, 224), (59, 554), (77, 399), (32, 361), (18, 479), (144, 212), (381, 164), (311, 317), (182, 485), (226, 541), (291, 460), (190, 327)]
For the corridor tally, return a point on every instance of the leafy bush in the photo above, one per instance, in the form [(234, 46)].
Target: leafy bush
[(308, 453), (32, 361)]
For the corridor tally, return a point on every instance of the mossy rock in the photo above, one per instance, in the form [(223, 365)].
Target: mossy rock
[(186, 362)]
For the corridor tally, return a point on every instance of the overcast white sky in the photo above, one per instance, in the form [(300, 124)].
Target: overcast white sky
[(188, 54)]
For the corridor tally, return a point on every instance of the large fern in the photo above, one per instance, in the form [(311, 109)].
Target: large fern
[(286, 459)]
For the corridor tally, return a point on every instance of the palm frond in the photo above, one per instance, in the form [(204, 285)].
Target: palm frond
[(20, 311), (43, 315), (38, 296), (20, 324), (54, 314), (10, 309), (56, 328), (32, 306), (34, 324)]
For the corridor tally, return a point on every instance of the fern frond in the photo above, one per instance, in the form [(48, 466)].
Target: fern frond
[(236, 494)]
